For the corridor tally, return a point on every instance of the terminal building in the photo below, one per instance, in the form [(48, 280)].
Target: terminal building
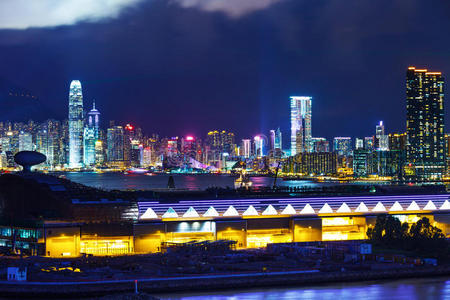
[(57, 218)]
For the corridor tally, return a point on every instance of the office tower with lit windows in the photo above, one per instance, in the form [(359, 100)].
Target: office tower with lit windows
[(425, 150), (300, 124), (99, 153), (368, 143), (246, 148), (275, 139), (397, 141), (76, 125), (382, 140), (91, 136), (259, 145), (447, 153), (25, 141), (42, 141), (115, 137), (93, 121), (278, 139), (320, 145), (323, 163), (89, 146), (272, 140), (362, 162), (359, 143), (343, 145)]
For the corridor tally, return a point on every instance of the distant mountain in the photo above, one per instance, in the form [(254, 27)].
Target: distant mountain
[(20, 104)]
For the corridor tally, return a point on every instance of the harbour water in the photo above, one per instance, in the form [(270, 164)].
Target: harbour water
[(405, 289), (120, 181)]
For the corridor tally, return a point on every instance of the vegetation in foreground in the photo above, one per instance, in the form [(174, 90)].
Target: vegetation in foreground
[(421, 238)]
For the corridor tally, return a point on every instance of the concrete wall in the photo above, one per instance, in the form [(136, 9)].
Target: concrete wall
[(62, 241)]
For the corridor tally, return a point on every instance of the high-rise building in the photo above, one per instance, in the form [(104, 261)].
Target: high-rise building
[(222, 141), (259, 145), (382, 139), (25, 141), (246, 148), (99, 153), (278, 139), (272, 140), (343, 145), (362, 162), (75, 125), (146, 156), (425, 150), (323, 163), (320, 145), (115, 137), (300, 124), (42, 141), (359, 143), (94, 120), (379, 129), (89, 146), (397, 141), (447, 153), (368, 143), (91, 136)]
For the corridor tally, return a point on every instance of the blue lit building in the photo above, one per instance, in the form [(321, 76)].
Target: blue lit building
[(300, 125), (75, 125), (343, 145), (91, 135)]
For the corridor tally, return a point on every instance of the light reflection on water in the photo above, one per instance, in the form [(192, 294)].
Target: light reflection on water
[(122, 181), (408, 289)]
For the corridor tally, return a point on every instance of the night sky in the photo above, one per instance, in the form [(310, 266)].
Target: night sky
[(179, 67)]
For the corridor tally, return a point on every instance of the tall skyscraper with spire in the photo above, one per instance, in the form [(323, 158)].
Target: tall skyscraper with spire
[(94, 120), (75, 125), (91, 135), (301, 138)]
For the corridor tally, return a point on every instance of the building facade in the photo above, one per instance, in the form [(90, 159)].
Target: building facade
[(425, 151), (343, 145), (301, 133), (76, 125)]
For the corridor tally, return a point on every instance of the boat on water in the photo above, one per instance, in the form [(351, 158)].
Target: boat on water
[(243, 182), (136, 171)]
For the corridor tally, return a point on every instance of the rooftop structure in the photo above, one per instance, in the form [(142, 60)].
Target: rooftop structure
[(200, 209)]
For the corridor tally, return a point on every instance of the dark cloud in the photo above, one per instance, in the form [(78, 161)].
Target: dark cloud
[(178, 70)]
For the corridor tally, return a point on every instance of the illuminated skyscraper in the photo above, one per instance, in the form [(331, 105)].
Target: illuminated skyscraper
[(89, 146), (94, 120), (278, 139), (320, 145), (75, 125), (382, 139), (359, 143), (25, 141), (275, 139), (246, 148), (343, 145), (259, 146), (90, 136), (272, 139), (379, 129), (300, 124), (425, 150), (115, 149), (368, 143)]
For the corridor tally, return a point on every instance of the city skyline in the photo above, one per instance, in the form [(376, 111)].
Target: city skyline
[(218, 66)]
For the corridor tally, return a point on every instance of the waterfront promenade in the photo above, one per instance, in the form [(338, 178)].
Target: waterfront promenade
[(208, 282)]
